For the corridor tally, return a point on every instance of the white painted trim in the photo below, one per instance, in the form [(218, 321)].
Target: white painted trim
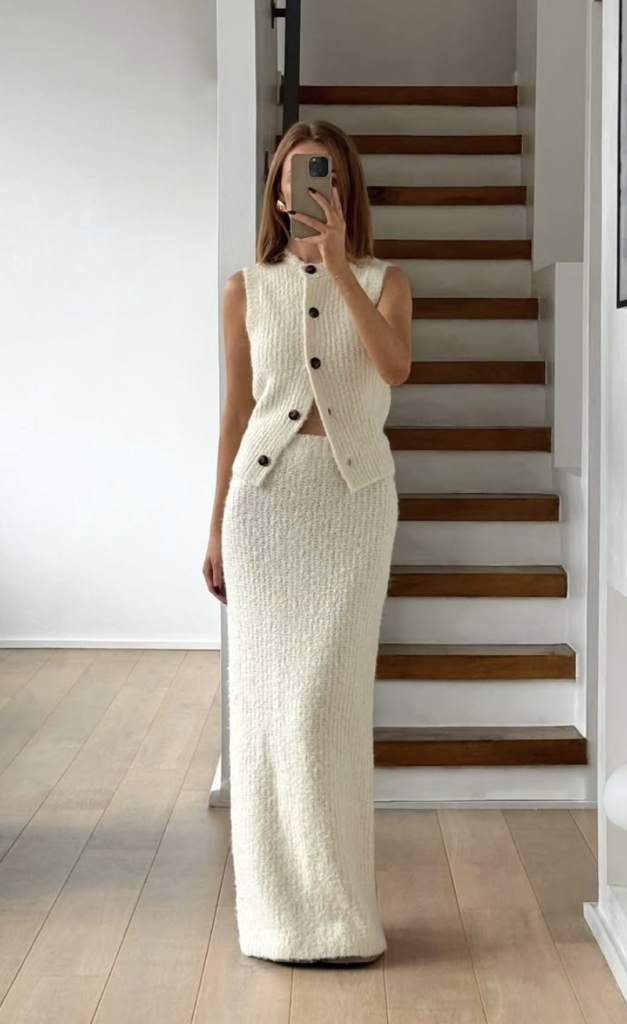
[(219, 796), (114, 644), (608, 924)]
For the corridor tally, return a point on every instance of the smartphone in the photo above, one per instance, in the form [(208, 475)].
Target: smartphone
[(309, 169)]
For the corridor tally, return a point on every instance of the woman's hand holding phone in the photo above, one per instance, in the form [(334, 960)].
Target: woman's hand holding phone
[(330, 237)]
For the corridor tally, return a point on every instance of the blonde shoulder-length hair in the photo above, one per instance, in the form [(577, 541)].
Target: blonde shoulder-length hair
[(274, 232)]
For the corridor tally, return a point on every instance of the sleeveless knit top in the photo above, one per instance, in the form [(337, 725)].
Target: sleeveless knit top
[(304, 347)]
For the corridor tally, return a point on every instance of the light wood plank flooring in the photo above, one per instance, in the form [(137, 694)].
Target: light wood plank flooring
[(116, 881)]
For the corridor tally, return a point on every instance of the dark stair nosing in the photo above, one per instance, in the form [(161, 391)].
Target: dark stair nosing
[(457, 307), (480, 746), (458, 438), (414, 95), (477, 371), (474, 662), (478, 581), (436, 145), (447, 195), (479, 508), (453, 248)]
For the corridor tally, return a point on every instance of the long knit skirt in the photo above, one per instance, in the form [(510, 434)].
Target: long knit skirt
[(306, 567)]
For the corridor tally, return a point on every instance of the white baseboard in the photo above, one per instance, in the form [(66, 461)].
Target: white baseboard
[(608, 924), (219, 797), (123, 645)]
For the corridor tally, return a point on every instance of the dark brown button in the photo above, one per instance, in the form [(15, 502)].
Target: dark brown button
[(314, 312), (310, 268), (315, 362), (294, 414), (263, 460)]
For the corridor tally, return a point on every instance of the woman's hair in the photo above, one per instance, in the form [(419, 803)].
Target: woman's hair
[(274, 232)]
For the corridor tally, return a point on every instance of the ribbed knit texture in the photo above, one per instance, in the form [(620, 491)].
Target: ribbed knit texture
[(306, 565), (352, 397)]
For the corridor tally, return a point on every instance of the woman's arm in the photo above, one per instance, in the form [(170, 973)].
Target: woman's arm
[(385, 329), (238, 406)]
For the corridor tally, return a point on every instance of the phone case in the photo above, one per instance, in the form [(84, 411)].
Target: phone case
[(302, 200)]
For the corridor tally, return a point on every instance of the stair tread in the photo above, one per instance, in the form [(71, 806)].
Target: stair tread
[(455, 733), (477, 371), (477, 495), (408, 437), (476, 650), (456, 570), (411, 662), (408, 746), (447, 195), (506, 249), (447, 145), (462, 307), (474, 582), (415, 95), (489, 507)]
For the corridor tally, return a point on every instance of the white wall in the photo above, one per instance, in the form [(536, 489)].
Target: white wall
[(551, 64), (247, 126), (526, 61), (408, 42), (108, 385), (613, 579)]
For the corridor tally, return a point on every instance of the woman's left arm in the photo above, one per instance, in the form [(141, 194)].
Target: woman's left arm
[(385, 329)]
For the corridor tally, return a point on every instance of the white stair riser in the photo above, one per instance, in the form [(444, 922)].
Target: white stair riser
[(475, 339), (473, 702), (479, 405), (473, 472), (442, 169), (474, 620), (449, 222), (435, 543), (537, 784), (471, 278), (404, 119)]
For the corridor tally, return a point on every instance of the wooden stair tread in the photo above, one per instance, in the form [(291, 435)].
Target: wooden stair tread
[(457, 570), (461, 438), (467, 507), (453, 248), (471, 662), (461, 307), (454, 145), (478, 581), (413, 746), (415, 95), (477, 371), (476, 650), (447, 195), (446, 145)]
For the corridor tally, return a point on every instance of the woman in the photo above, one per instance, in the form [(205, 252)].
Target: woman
[(305, 515)]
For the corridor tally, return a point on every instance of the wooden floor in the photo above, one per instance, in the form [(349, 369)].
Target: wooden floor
[(116, 883)]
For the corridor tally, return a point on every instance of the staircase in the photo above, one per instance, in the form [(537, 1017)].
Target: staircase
[(471, 671)]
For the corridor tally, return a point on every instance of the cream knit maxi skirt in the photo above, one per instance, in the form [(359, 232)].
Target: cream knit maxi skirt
[(306, 566)]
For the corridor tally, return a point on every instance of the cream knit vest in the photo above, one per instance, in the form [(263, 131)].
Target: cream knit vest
[(304, 346)]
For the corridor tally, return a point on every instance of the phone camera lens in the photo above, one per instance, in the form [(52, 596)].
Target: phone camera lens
[(318, 166)]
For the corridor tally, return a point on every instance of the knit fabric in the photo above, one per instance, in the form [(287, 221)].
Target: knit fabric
[(306, 564), (304, 346)]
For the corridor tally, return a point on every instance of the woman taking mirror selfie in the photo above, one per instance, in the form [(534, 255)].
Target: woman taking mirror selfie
[(316, 333)]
